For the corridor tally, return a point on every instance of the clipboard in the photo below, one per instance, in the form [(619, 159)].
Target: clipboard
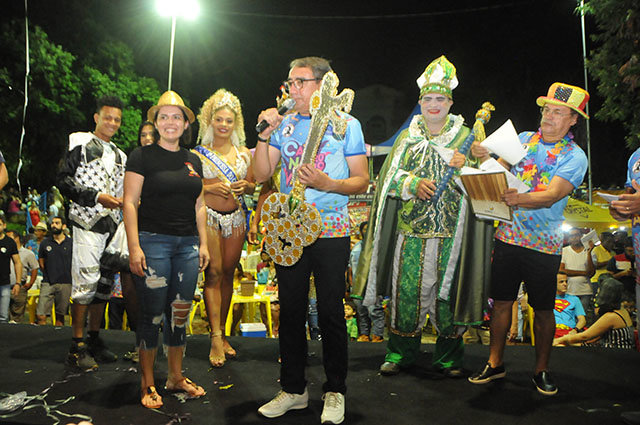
[(484, 191)]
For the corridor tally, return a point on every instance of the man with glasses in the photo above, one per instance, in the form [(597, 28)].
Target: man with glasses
[(340, 169), (530, 248)]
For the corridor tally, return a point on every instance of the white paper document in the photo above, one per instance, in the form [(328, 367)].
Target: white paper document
[(608, 196), (592, 236), (505, 143)]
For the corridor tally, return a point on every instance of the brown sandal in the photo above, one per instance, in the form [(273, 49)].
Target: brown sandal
[(151, 392), (193, 393), (216, 361)]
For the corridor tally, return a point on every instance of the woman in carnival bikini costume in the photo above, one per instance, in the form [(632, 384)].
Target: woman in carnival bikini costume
[(228, 175)]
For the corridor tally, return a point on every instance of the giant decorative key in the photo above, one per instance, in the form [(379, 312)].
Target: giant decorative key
[(291, 223)]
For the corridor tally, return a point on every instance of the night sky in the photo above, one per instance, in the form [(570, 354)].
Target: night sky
[(506, 52)]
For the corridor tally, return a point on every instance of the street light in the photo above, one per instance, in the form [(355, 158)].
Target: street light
[(187, 9)]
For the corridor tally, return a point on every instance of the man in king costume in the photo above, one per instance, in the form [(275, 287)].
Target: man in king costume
[(430, 270)]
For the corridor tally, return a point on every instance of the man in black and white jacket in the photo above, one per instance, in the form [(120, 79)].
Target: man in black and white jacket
[(92, 177)]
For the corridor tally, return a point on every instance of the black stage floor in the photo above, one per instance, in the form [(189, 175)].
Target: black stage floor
[(595, 385)]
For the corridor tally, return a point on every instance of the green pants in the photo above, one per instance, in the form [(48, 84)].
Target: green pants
[(404, 351)]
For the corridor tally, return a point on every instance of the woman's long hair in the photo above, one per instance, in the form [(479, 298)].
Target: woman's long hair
[(609, 295), (156, 136)]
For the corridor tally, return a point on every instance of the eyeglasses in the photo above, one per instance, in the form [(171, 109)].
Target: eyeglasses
[(298, 83), (555, 113)]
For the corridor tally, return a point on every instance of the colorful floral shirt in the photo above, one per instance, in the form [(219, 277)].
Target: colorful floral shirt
[(633, 173), (540, 229), (290, 139)]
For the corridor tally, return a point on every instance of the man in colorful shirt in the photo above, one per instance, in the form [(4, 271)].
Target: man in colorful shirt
[(625, 208), (339, 170), (568, 311), (530, 248)]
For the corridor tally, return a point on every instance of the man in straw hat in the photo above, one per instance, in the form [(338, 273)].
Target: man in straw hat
[(414, 245), (91, 176), (340, 169), (530, 248)]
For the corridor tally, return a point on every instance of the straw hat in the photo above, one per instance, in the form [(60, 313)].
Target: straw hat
[(40, 226), (170, 98), (565, 95)]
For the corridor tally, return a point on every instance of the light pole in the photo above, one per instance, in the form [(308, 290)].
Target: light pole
[(188, 9)]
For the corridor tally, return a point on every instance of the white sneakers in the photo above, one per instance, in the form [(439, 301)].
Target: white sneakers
[(332, 413), (283, 402)]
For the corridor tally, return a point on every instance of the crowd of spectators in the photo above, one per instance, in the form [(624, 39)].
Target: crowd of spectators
[(28, 225)]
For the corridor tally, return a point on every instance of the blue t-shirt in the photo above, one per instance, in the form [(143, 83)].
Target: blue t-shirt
[(355, 256), (541, 229), (290, 139), (633, 173), (567, 309), (34, 246)]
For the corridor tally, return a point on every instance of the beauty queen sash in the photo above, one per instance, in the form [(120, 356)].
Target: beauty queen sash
[(224, 168)]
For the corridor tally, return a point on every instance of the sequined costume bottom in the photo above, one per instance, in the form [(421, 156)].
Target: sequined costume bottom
[(228, 223)]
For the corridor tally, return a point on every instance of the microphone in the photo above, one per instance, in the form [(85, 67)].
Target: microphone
[(286, 106)]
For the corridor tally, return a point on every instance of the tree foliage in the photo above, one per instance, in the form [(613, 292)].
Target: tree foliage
[(615, 62), (62, 91)]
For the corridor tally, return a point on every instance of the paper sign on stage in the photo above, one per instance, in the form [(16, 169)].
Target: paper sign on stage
[(485, 190)]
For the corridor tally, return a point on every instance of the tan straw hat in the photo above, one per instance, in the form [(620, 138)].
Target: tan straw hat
[(170, 98)]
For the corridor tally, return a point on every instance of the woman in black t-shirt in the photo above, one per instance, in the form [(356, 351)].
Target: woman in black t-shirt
[(165, 219)]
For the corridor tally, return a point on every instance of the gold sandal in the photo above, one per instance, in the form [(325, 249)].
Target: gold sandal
[(216, 361), (153, 395)]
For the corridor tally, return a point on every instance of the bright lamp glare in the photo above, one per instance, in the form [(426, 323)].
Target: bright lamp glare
[(623, 228), (188, 9), (566, 227)]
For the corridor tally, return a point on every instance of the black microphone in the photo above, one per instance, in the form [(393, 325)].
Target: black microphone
[(286, 106)]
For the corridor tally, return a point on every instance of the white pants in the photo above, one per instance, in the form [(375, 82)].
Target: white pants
[(88, 247)]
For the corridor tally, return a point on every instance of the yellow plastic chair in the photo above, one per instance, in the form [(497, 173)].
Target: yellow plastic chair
[(125, 323), (252, 301), (530, 316), (33, 296), (32, 302), (194, 307)]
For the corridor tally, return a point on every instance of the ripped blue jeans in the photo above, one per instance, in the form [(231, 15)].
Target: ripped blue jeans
[(166, 291)]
